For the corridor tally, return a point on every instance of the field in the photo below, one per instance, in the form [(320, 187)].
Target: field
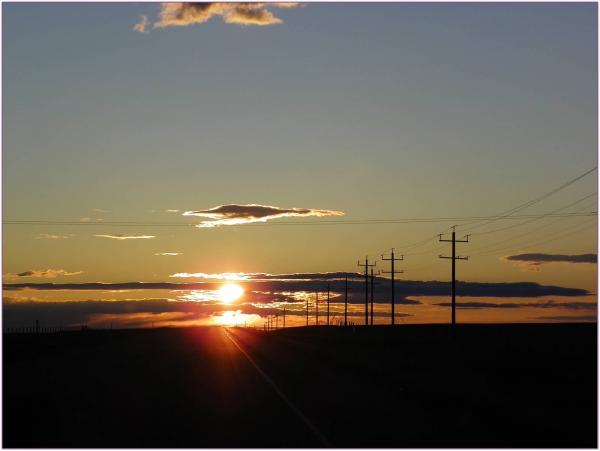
[(408, 386)]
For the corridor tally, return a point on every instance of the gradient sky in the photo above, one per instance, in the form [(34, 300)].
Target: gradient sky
[(377, 110)]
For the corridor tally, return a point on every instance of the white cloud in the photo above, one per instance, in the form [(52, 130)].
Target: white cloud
[(127, 237)]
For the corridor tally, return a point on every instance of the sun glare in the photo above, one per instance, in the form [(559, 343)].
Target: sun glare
[(230, 292)]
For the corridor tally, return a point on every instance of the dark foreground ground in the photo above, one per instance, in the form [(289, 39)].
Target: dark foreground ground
[(410, 386)]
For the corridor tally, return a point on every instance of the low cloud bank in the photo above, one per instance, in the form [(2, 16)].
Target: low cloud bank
[(532, 261), (545, 305), (311, 283)]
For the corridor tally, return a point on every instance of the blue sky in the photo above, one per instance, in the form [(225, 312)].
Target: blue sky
[(376, 110)]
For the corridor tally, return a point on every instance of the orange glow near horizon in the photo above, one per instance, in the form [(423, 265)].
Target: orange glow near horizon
[(230, 292), (236, 318)]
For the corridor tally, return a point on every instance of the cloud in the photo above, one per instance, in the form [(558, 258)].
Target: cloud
[(545, 305), (168, 253), (265, 276), (284, 286), (531, 262), (243, 214), (575, 318), (100, 210), (143, 25), (42, 273), (127, 237), (220, 276), (90, 219), (180, 14), (46, 236), (172, 211), (142, 312)]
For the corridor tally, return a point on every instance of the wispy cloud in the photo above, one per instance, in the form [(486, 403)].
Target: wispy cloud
[(220, 276), (90, 219), (143, 25), (261, 276), (42, 273), (172, 211), (234, 214), (46, 236), (180, 14), (532, 261), (127, 237), (168, 254)]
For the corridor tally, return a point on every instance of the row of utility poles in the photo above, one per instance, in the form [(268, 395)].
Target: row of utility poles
[(369, 275), (392, 272), (328, 303), (369, 266)]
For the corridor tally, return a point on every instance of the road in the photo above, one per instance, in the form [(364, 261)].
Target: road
[(411, 386), (148, 389)]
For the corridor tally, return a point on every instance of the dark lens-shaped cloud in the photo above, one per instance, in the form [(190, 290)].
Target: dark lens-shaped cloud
[(234, 214)]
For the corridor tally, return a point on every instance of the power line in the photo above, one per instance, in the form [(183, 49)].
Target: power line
[(512, 226), (560, 234), (528, 204), (287, 224), (491, 245)]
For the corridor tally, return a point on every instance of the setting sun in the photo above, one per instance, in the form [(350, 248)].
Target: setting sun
[(230, 292)]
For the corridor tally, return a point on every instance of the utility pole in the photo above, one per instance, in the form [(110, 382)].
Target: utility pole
[(454, 258), (328, 304), (306, 311), (372, 292), (284, 316), (346, 302), (392, 260), (367, 265), (317, 306)]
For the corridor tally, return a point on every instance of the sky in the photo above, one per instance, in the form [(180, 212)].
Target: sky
[(241, 118)]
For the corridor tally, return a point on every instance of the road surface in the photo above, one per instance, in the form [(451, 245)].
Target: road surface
[(408, 386), (191, 388)]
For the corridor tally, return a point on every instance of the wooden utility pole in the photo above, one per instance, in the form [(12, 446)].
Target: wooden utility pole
[(328, 304), (367, 265), (372, 292), (454, 258), (346, 302), (393, 272), (306, 311)]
